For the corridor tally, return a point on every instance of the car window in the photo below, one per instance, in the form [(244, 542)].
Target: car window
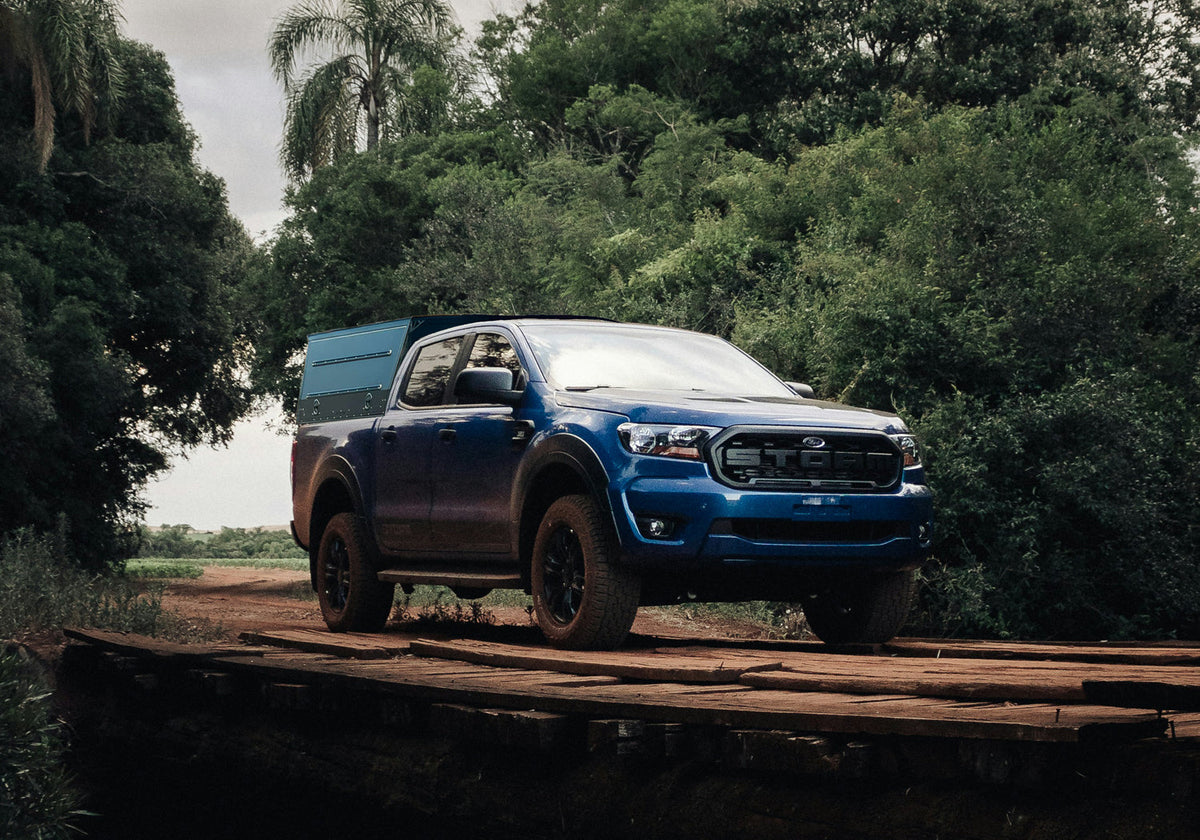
[(431, 372), (492, 350), (585, 357)]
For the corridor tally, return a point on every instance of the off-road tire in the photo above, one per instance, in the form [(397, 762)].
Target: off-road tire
[(866, 609), (352, 597), (582, 598)]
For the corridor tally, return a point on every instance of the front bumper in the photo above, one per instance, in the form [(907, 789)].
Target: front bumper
[(712, 526)]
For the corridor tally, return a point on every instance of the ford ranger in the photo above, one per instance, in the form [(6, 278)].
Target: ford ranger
[(598, 466)]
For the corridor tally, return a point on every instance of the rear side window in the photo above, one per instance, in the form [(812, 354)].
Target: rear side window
[(431, 372)]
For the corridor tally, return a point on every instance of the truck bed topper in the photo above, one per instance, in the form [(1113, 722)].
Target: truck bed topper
[(348, 372)]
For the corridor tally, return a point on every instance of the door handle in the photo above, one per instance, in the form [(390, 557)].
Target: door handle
[(522, 431), (447, 435), (388, 435)]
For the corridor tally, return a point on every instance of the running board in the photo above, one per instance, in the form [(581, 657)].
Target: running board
[(452, 577)]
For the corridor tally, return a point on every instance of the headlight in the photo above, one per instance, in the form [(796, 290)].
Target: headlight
[(909, 449), (667, 441)]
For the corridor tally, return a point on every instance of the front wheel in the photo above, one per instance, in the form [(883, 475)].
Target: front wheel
[(352, 597), (582, 598), (862, 610)]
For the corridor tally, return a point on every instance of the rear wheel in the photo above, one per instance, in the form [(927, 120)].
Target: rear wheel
[(862, 609), (581, 597), (351, 596)]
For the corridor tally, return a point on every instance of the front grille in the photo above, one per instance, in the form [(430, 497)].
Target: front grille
[(785, 531), (773, 458)]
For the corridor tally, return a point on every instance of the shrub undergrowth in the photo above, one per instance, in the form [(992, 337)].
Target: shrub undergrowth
[(40, 590), (36, 796)]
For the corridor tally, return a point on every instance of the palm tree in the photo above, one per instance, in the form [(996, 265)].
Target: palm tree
[(361, 91), (67, 48)]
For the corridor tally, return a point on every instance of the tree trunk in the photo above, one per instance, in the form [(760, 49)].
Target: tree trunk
[(372, 122)]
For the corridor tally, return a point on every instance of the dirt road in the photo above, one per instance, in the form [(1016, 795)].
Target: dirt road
[(241, 599)]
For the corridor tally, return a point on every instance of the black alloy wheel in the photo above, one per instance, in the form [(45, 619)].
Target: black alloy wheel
[(563, 575)]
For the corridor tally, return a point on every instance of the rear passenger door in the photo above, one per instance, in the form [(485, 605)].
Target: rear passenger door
[(404, 438)]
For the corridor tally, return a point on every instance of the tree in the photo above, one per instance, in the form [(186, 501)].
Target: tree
[(1020, 283), (344, 255), (803, 70), (66, 50), (117, 267), (366, 89)]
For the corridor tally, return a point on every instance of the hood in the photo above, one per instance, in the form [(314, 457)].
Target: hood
[(705, 409)]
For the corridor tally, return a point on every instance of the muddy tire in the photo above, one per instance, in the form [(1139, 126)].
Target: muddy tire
[(351, 596), (862, 610), (582, 599)]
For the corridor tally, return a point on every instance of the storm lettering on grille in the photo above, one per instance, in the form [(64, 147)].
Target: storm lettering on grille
[(850, 464)]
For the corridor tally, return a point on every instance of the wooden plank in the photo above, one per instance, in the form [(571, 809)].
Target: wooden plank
[(352, 645), (1057, 681), (1185, 726), (520, 729), (734, 705), (1170, 653), (740, 706), (624, 664), (132, 644), (993, 686)]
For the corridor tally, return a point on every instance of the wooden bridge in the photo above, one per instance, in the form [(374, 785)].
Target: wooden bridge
[(1008, 692), (498, 735)]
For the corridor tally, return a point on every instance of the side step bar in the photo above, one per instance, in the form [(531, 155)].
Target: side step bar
[(453, 577)]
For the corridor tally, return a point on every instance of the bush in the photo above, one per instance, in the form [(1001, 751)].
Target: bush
[(36, 798), (41, 590), (1021, 287), (180, 541)]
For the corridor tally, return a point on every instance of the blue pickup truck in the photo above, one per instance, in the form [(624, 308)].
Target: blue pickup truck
[(598, 466)]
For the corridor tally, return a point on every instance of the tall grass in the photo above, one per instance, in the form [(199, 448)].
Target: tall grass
[(40, 590), (36, 796)]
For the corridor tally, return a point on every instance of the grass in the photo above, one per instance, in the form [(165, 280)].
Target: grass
[(773, 619), (36, 795), (41, 592), (179, 567)]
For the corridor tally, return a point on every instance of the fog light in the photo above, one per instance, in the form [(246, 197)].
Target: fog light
[(656, 528), (925, 533)]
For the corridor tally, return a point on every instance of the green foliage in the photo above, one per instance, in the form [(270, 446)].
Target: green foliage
[(191, 568), (389, 72), (979, 214), (157, 569), (180, 541), (802, 71), (116, 267), (430, 606), (36, 797), (41, 589), (1003, 279), (63, 56)]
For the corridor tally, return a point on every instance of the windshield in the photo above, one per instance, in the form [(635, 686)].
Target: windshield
[(582, 356)]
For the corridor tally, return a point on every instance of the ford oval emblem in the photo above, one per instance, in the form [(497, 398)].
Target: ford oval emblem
[(813, 442)]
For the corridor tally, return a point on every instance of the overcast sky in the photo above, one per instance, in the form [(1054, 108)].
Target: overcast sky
[(217, 52)]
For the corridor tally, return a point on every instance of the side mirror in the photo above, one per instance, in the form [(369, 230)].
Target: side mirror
[(802, 390), (486, 385)]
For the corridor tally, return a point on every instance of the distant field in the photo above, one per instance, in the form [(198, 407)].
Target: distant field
[(174, 567)]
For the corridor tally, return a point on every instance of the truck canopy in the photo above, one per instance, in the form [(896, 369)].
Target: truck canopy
[(348, 372)]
